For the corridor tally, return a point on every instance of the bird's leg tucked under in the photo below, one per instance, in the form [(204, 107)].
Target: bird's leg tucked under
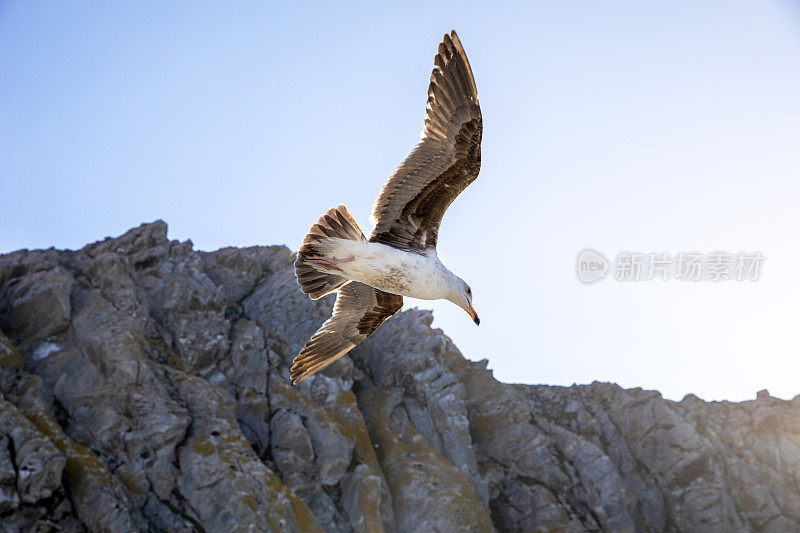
[(328, 263)]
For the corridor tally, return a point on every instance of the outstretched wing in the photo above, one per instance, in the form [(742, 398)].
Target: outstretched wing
[(409, 209), (358, 312)]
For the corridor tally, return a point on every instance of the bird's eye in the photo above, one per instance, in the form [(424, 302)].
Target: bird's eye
[(469, 291)]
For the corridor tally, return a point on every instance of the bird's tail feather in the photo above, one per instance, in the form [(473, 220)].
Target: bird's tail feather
[(336, 222)]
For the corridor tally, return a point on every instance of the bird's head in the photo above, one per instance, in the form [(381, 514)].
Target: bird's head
[(461, 295)]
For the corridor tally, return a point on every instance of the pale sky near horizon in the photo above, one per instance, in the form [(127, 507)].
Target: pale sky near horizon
[(654, 127)]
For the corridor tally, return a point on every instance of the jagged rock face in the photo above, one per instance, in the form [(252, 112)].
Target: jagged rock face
[(145, 388)]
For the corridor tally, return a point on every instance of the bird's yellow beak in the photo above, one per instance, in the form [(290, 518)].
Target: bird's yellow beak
[(473, 315)]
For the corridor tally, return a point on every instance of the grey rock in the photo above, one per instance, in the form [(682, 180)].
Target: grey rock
[(245, 369), (97, 499), (9, 497), (311, 449), (145, 388), (37, 463), (37, 305), (361, 497), (404, 357), (430, 493), (223, 483)]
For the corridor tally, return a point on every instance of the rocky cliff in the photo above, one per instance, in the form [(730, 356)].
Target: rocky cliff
[(145, 388)]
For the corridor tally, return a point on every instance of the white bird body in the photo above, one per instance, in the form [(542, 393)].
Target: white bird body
[(417, 275)]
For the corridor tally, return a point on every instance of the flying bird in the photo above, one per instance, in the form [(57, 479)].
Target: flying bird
[(399, 258)]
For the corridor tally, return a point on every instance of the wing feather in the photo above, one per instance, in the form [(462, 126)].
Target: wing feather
[(409, 210), (359, 311)]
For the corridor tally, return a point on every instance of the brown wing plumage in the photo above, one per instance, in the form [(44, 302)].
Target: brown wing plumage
[(358, 312), (409, 209)]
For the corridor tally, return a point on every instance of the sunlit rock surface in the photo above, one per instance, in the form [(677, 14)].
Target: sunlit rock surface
[(145, 388)]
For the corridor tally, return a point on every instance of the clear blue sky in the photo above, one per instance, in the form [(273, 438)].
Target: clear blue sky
[(657, 127)]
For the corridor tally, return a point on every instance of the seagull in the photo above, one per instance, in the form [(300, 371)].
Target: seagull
[(399, 259)]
